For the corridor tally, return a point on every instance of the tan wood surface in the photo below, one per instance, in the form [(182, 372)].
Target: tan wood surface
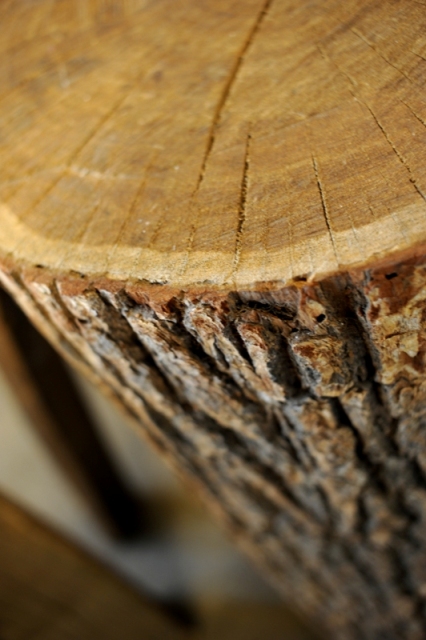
[(229, 143), (219, 209)]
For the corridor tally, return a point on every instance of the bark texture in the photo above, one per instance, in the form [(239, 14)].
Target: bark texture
[(299, 410)]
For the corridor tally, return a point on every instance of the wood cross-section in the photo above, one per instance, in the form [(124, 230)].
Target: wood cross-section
[(226, 143)]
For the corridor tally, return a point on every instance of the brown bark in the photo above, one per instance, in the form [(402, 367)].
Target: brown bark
[(300, 412)]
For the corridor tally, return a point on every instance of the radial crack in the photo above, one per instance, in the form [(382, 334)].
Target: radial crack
[(353, 91), (379, 53), (395, 150), (414, 113), (324, 207), (242, 206), (228, 86)]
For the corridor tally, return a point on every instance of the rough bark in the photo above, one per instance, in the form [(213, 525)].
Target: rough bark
[(195, 203), (299, 410)]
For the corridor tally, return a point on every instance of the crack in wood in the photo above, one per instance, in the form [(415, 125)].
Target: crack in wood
[(228, 87), (423, 122), (353, 86), (395, 150), (325, 211), (418, 55), (242, 208), (379, 53)]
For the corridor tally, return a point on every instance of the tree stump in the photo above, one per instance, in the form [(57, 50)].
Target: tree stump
[(218, 209)]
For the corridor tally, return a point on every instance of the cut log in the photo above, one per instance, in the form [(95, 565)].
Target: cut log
[(219, 208)]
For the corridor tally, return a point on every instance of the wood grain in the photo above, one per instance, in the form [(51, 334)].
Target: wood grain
[(226, 143), (219, 209)]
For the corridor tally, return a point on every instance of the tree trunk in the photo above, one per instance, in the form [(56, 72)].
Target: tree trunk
[(220, 210)]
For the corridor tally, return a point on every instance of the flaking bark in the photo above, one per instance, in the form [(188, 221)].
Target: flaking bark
[(300, 410)]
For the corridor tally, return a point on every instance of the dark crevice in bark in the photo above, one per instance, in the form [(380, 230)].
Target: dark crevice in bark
[(134, 351), (231, 332), (373, 469), (167, 428), (281, 435), (359, 304), (285, 311), (403, 580), (418, 474), (281, 365), (283, 369), (368, 575), (293, 433), (243, 450), (195, 350), (221, 360), (402, 576)]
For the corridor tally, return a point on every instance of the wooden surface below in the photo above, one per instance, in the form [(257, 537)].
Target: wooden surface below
[(50, 590)]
